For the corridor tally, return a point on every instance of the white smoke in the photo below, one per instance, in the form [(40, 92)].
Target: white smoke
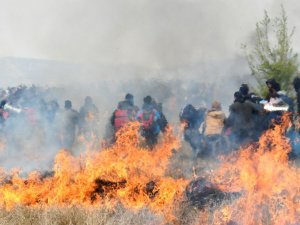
[(106, 48)]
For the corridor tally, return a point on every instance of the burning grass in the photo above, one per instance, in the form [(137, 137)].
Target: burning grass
[(127, 184), (267, 181), (125, 173)]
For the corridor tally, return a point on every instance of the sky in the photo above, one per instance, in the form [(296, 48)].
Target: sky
[(163, 34)]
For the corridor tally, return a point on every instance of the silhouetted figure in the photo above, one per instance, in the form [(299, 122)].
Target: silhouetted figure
[(88, 116), (296, 84), (243, 119), (213, 129), (149, 117), (192, 120), (69, 123)]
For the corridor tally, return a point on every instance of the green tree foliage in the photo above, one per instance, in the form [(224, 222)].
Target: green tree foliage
[(272, 56)]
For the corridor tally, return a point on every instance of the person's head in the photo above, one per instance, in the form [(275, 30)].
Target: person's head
[(216, 106), (148, 100), (238, 97), (88, 100), (273, 84), (244, 89), (3, 103), (68, 104), (129, 97)]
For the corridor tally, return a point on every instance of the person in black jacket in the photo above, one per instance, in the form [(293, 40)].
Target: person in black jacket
[(192, 119), (296, 84)]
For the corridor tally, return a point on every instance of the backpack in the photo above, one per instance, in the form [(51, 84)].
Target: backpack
[(122, 117), (147, 120)]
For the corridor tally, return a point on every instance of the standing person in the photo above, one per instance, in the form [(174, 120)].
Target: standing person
[(124, 114), (148, 117), (192, 120), (273, 88), (243, 119), (277, 98), (88, 115), (162, 122), (244, 90), (129, 99), (69, 124), (296, 84), (3, 114), (213, 128)]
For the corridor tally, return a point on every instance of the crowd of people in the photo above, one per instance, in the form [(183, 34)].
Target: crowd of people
[(27, 111), (151, 118), (210, 132)]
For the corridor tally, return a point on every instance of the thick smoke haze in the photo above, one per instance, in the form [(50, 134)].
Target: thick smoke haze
[(70, 43), (106, 48), (168, 34)]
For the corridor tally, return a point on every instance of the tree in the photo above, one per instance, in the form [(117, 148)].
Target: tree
[(272, 56)]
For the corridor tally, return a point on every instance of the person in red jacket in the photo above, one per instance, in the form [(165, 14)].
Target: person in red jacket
[(125, 113)]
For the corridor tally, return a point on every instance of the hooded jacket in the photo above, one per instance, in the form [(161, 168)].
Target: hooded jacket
[(214, 122)]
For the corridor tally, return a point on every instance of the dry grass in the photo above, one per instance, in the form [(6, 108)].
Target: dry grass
[(82, 216), (181, 166), (76, 216)]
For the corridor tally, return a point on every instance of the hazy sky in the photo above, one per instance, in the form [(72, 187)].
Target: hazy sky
[(152, 33)]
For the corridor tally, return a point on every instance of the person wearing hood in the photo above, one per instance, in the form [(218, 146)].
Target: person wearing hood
[(273, 89), (213, 127), (278, 102), (149, 119), (192, 119), (248, 96), (243, 119)]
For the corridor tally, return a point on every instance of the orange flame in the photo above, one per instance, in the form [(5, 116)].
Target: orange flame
[(136, 175), (269, 184)]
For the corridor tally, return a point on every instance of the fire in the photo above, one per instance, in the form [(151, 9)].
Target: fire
[(268, 182), (125, 173)]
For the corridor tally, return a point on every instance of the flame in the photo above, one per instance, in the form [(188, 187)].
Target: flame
[(124, 173), (268, 182)]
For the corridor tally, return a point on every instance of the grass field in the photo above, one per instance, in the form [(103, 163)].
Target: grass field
[(180, 167), (83, 216)]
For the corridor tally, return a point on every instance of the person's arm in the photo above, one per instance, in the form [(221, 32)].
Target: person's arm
[(257, 108), (112, 119), (157, 116)]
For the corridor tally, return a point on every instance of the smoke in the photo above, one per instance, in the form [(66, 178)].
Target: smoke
[(152, 34), (187, 50)]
